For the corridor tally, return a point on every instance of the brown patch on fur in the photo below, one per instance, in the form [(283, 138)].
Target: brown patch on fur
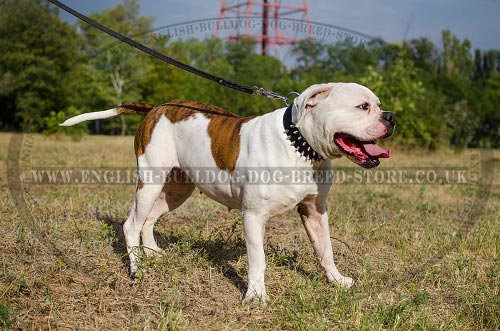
[(181, 110), (223, 129), (143, 134), (225, 135), (137, 108), (174, 111), (302, 210), (140, 185), (178, 111)]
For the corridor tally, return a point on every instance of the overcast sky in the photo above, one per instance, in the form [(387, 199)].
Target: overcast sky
[(392, 20)]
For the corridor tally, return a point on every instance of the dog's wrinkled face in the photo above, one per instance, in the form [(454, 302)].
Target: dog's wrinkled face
[(343, 119)]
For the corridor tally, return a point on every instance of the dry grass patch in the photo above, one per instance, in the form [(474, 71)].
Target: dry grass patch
[(63, 262)]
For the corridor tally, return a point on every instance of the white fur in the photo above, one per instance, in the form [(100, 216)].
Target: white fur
[(90, 116), (320, 111)]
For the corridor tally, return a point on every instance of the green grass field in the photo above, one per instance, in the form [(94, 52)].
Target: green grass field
[(424, 256)]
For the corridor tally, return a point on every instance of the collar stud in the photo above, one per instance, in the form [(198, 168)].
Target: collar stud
[(297, 140)]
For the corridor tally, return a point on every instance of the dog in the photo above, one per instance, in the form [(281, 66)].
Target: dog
[(324, 122)]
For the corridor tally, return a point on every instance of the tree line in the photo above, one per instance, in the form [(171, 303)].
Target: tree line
[(445, 94)]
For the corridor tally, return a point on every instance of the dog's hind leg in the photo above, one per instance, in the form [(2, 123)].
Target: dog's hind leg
[(177, 189), (144, 201), (156, 159)]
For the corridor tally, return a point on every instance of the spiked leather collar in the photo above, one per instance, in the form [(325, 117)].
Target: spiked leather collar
[(297, 141)]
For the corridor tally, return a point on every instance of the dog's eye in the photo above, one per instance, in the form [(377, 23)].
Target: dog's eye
[(364, 106)]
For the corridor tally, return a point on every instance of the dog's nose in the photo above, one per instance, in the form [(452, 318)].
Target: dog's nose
[(389, 117)]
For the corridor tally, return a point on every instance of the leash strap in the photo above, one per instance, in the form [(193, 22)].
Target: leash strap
[(254, 90)]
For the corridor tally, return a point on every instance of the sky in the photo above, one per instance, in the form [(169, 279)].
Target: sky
[(392, 20)]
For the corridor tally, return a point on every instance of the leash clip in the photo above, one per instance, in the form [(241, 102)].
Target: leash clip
[(273, 95), (287, 102)]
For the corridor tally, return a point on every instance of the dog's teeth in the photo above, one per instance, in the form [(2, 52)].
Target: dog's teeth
[(292, 126), (299, 138), (309, 148), (304, 143)]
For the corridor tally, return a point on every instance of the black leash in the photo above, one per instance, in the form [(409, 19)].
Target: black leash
[(254, 90)]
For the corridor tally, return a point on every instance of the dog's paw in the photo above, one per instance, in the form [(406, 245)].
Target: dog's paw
[(346, 282), (136, 274), (157, 252), (133, 278), (132, 272), (253, 300)]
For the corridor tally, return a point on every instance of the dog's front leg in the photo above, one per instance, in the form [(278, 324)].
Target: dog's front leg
[(315, 219), (254, 227)]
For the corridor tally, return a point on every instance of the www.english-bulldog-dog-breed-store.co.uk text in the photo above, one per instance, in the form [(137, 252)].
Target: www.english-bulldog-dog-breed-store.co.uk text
[(324, 122)]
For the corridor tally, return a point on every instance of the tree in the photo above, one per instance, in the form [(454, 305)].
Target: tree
[(457, 59), (38, 62), (487, 134), (119, 67), (228, 61), (425, 55)]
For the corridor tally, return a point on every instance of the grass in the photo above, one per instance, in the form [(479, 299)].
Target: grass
[(423, 258)]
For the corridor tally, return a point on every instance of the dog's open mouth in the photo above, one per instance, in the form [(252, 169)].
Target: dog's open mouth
[(364, 153)]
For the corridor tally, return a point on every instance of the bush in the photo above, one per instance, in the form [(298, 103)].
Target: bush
[(51, 123)]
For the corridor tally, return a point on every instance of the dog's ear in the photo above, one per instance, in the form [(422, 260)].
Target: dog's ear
[(308, 99)]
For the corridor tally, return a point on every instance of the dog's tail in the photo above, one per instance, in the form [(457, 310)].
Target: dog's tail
[(131, 108)]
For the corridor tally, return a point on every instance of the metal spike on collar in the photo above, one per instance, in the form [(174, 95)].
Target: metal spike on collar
[(297, 141)]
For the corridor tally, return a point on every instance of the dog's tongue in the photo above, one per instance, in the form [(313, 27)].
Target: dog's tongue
[(375, 150)]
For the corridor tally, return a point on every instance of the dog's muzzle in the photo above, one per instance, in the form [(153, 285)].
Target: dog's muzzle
[(389, 120), (362, 152)]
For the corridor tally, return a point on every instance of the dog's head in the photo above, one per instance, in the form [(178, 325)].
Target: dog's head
[(343, 119)]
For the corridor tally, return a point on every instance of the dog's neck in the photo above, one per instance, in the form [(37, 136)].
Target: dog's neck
[(298, 142)]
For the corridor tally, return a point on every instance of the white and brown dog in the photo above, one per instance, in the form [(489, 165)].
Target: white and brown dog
[(325, 121)]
